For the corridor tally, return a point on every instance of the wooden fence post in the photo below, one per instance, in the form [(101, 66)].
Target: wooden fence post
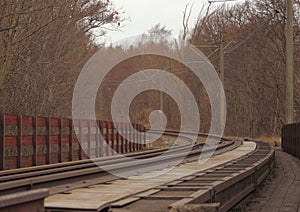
[(100, 126), (89, 139), (106, 138), (19, 141), (117, 137), (130, 137), (125, 137), (48, 125), (34, 141), (140, 137), (70, 140), (145, 140), (2, 140), (79, 141), (60, 139), (135, 135), (96, 139), (112, 137), (122, 131)]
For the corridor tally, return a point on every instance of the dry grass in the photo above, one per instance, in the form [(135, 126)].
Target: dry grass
[(274, 141), (269, 139), (235, 138)]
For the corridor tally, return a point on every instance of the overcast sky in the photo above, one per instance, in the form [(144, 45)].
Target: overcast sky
[(144, 14)]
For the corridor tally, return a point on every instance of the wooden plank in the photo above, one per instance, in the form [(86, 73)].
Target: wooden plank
[(41, 139), (11, 141), (26, 140), (2, 140), (34, 141), (41, 121), (19, 142), (70, 140), (124, 202), (48, 125), (11, 120), (27, 120), (148, 193), (54, 139), (55, 122), (60, 140), (24, 201)]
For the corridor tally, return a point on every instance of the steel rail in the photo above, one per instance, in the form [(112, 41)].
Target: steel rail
[(38, 177), (79, 162), (46, 169), (108, 158), (216, 189), (68, 166)]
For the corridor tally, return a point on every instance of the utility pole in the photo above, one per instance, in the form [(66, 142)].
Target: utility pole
[(222, 62), (222, 68), (161, 99), (289, 62)]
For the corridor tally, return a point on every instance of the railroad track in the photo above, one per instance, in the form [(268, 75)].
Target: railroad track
[(216, 189), (63, 177), (224, 184)]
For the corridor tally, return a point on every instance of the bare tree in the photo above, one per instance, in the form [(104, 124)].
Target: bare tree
[(254, 65), (185, 20), (45, 44)]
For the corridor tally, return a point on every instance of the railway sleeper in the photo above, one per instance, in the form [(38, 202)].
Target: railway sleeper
[(217, 189)]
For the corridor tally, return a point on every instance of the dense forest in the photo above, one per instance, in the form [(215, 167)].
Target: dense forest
[(254, 63), (44, 45)]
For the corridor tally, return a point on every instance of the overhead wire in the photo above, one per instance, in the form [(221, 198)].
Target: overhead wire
[(247, 38)]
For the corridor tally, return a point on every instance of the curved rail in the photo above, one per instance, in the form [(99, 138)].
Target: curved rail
[(217, 189), (57, 175)]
